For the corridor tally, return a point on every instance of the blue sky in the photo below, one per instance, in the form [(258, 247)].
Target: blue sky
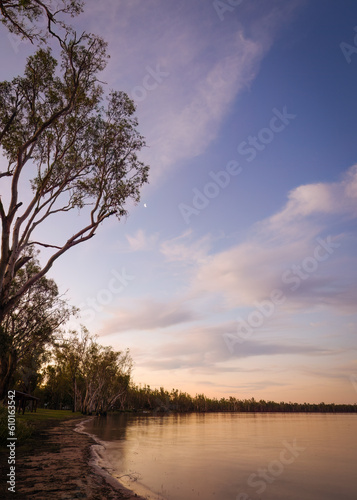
[(236, 273)]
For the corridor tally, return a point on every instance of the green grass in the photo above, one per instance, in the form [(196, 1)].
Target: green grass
[(31, 426), (42, 414)]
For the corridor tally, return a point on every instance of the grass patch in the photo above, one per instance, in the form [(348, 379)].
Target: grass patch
[(42, 414), (32, 426)]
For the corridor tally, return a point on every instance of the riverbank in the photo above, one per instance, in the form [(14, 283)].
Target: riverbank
[(59, 463)]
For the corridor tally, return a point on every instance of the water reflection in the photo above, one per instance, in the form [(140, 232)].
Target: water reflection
[(230, 456)]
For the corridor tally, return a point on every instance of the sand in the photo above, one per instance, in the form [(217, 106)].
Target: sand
[(63, 465)]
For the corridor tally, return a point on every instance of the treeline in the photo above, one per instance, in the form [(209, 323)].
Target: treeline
[(158, 401), (84, 156), (78, 373), (93, 379)]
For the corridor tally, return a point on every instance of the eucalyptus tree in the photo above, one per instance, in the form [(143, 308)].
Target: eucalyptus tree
[(67, 147), (95, 377), (78, 153), (106, 375), (68, 356)]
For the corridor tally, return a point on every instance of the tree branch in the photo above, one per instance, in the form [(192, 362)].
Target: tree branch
[(44, 245)]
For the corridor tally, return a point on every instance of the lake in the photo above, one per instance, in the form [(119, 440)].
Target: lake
[(233, 456)]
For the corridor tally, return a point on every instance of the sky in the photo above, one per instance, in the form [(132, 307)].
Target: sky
[(236, 273)]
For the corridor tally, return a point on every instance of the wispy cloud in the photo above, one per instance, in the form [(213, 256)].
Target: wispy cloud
[(140, 241), (271, 258), (338, 198), (191, 115), (202, 348), (149, 315), (205, 65), (184, 249), (280, 246)]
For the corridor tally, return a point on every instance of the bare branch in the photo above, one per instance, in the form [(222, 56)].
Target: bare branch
[(46, 245), (21, 17), (5, 174)]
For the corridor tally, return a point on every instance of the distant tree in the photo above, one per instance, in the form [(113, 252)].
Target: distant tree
[(107, 375), (95, 377), (69, 355), (28, 376), (61, 377), (145, 398)]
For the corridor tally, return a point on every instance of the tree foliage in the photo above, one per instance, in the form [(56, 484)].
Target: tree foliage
[(87, 375), (23, 17), (73, 147), (162, 401), (79, 153)]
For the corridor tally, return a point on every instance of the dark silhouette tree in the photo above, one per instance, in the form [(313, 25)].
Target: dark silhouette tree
[(32, 326)]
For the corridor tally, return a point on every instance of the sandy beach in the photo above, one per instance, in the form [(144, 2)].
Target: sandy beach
[(62, 466)]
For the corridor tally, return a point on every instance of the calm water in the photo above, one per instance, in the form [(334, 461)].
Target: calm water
[(234, 456)]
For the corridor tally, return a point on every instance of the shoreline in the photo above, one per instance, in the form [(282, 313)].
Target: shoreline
[(101, 465), (62, 464)]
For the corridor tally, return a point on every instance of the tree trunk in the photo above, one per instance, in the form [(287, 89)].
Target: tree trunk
[(74, 394), (8, 361)]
